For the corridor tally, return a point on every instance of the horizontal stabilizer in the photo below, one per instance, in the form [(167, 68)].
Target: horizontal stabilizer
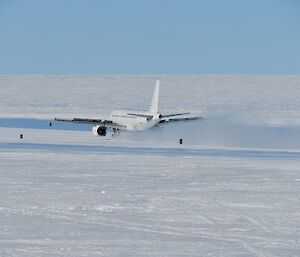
[(148, 117)]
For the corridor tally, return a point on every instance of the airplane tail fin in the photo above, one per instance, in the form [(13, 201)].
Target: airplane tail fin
[(154, 103)]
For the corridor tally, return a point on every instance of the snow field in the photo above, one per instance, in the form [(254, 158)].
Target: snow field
[(89, 204)]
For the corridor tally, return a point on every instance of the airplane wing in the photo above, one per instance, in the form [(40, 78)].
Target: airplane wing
[(99, 122), (187, 116), (174, 114)]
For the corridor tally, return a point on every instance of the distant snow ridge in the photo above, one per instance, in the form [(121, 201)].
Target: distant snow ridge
[(267, 99)]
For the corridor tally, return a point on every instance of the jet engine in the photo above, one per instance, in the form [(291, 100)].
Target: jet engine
[(99, 131)]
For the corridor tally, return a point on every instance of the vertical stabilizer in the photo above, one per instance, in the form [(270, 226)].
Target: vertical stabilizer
[(154, 103)]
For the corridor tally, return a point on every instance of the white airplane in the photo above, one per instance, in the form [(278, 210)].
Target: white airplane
[(132, 120)]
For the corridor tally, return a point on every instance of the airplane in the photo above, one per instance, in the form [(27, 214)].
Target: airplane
[(132, 120)]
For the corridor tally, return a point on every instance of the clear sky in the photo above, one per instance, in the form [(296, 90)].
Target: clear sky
[(150, 37)]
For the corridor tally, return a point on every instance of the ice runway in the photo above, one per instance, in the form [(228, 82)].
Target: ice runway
[(133, 150), (232, 188)]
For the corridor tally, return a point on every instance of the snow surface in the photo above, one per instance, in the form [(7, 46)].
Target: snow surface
[(61, 203), (232, 188), (265, 99)]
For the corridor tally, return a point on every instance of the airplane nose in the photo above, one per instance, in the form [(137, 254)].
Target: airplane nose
[(160, 116)]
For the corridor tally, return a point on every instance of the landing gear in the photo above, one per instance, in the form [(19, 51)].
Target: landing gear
[(115, 132)]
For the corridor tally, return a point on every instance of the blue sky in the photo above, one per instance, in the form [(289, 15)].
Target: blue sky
[(149, 37)]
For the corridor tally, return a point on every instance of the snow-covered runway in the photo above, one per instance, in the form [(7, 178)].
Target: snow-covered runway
[(64, 203)]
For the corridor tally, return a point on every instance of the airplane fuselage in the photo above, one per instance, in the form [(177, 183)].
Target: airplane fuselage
[(135, 120)]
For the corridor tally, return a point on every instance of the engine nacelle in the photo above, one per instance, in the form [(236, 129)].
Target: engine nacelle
[(99, 131)]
